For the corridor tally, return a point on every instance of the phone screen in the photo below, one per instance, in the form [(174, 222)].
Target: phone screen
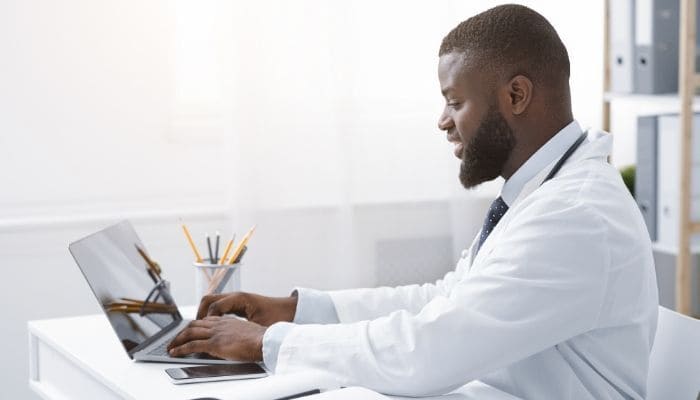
[(208, 371)]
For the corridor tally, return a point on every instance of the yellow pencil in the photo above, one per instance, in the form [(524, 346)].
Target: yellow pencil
[(219, 275), (241, 245), (189, 239), (222, 260)]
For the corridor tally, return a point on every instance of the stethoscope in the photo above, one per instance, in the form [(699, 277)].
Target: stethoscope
[(565, 157)]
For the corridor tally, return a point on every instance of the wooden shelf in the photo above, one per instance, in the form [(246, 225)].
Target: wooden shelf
[(695, 227), (685, 102), (672, 250), (687, 83), (669, 100)]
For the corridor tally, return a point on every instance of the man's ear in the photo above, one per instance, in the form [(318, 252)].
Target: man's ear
[(520, 93)]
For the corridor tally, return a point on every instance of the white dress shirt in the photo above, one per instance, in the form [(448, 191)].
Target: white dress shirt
[(560, 301)]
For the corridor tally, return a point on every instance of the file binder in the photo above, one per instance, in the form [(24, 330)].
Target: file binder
[(622, 46), (656, 46), (645, 181), (668, 183)]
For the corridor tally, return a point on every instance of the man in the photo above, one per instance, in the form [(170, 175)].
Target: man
[(555, 299)]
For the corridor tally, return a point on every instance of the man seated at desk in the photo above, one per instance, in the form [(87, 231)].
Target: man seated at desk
[(555, 298)]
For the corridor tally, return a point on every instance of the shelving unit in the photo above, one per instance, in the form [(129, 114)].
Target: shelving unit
[(688, 82), (606, 66)]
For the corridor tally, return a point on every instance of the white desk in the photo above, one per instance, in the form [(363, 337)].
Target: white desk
[(81, 358)]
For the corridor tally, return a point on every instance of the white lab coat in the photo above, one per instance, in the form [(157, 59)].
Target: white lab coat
[(559, 303)]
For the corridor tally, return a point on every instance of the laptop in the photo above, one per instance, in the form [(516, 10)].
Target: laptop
[(121, 280)]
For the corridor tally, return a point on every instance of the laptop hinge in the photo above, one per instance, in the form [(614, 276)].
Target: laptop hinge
[(156, 337)]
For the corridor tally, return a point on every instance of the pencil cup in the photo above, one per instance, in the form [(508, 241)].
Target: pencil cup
[(214, 278)]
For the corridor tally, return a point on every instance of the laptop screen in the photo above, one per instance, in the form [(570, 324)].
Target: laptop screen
[(121, 279)]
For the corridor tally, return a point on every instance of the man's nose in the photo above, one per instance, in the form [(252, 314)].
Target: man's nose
[(445, 122)]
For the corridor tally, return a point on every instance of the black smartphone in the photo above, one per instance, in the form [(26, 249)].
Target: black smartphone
[(219, 372)]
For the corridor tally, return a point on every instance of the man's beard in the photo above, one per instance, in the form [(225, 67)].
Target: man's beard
[(486, 153)]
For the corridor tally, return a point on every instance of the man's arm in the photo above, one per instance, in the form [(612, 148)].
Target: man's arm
[(350, 305), (319, 307), (542, 285), (314, 307), (304, 306)]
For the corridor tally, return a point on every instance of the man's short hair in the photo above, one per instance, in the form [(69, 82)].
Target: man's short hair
[(511, 40)]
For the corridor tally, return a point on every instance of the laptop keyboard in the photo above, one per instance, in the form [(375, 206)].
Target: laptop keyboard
[(162, 350)]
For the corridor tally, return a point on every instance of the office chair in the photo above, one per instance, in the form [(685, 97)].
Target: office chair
[(674, 364)]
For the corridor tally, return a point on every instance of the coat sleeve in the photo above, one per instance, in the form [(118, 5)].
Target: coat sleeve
[(542, 284), (352, 305)]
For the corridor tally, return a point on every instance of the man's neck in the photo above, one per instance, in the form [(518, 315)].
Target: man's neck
[(531, 140), (546, 155)]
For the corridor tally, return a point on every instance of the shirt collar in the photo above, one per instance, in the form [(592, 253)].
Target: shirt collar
[(555, 147)]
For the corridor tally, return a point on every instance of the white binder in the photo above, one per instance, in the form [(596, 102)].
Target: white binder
[(622, 44), (668, 172)]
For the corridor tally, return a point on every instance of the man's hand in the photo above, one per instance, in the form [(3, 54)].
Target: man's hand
[(222, 337), (262, 310)]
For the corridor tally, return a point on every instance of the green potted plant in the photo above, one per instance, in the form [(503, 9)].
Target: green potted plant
[(628, 173)]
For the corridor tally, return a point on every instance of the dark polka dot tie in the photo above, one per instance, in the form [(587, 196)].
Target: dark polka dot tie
[(496, 211)]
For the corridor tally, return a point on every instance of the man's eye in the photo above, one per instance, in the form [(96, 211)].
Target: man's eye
[(453, 104)]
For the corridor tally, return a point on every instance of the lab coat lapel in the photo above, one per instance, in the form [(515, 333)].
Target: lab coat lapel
[(468, 255), (493, 238), (598, 146)]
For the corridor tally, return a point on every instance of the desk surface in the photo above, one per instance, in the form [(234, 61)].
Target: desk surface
[(81, 357)]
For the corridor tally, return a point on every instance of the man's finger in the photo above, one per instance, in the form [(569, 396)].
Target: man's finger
[(234, 303), (196, 324), (189, 335), (206, 302), (200, 323), (195, 346)]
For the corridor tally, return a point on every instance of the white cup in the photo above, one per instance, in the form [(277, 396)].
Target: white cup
[(214, 278)]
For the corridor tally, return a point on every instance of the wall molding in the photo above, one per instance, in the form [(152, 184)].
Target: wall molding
[(75, 220)]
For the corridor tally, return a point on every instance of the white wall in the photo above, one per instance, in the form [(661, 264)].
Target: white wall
[(89, 112), (92, 130), (315, 120)]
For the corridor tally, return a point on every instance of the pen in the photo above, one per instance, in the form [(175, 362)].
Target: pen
[(216, 249), (198, 257), (220, 275), (211, 255), (297, 395), (240, 255)]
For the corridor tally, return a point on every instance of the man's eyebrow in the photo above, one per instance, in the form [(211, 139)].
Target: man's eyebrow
[(445, 90)]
